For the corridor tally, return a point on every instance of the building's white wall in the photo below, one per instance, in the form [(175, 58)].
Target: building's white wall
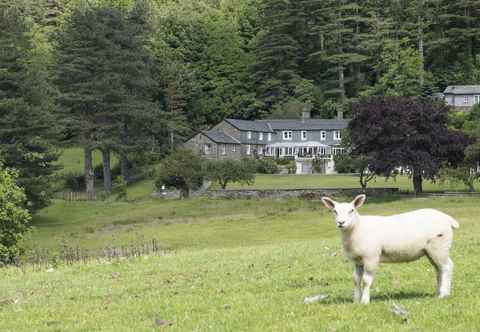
[(459, 100)]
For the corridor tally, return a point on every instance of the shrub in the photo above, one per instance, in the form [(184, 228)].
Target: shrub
[(183, 170), (120, 188), (227, 171), (267, 166), (14, 217), (74, 181)]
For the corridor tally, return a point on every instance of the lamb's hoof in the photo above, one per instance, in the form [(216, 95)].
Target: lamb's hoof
[(442, 296), (365, 301)]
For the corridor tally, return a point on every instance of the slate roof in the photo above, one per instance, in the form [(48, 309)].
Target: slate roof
[(220, 137), (307, 124), (268, 126), (463, 89), (247, 125)]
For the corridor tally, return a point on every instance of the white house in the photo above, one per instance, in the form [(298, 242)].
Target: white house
[(462, 97)]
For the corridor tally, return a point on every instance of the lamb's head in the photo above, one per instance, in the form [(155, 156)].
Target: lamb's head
[(345, 213)]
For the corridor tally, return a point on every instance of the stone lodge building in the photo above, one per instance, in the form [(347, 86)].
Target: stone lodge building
[(303, 139)]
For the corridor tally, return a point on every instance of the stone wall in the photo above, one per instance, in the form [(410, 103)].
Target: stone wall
[(301, 193)]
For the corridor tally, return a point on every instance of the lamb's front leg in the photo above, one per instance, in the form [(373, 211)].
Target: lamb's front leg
[(357, 279), (369, 267)]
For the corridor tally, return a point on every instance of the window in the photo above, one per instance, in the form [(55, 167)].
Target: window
[(206, 148), (323, 135), (260, 136), (249, 149), (234, 148), (224, 149), (477, 99), (465, 99), (336, 135), (287, 135), (304, 135), (249, 134), (269, 137), (338, 151), (322, 150)]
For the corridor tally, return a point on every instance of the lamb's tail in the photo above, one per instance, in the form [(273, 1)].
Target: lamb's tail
[(454, 223)]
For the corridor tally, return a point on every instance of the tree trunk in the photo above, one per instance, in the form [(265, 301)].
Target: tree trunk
[(88, 169), (107, 175), (417, 181), (420, 43), (184, 192), (124, 167)]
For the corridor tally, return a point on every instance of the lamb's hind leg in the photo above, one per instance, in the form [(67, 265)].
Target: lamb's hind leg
[(357, 279), (444, 266)]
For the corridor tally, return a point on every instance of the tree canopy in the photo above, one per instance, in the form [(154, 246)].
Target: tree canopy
[(404, 132)]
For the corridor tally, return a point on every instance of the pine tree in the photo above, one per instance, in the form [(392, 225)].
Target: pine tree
[(27, 111), (276, 67), (106, 84)]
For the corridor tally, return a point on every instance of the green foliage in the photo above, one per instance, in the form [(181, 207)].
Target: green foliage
[(183, 170), (344, 164), (28, 130), (267, 166), (14, 218), (230, 171), (400, 71), (120, 188)]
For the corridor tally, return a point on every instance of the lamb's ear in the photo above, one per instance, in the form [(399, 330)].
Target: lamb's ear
[(358, 201), (328, 202)]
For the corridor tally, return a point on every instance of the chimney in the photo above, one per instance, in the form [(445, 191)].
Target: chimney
[(306, 111), (340, 115)]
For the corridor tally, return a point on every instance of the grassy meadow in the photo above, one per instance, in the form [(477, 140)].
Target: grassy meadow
[(236, 265), (231, 265), (266, 181)]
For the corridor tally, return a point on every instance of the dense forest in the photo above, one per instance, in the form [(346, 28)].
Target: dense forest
[(132, 77)]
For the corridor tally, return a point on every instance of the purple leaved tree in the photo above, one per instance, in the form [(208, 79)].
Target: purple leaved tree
[(405, 132)]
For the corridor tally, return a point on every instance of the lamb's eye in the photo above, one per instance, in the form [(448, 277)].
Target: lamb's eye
[(334, 211), (351, 211)]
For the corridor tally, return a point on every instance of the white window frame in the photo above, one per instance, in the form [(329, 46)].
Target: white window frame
[(303, 135), (249, 149), (224, 149), (249, 135), (465, 99), (260, 136), (338, 151), (287, 135), (337, 135), (323, 135), (269, 137), (206, 148), (234, 148), (477, 99)]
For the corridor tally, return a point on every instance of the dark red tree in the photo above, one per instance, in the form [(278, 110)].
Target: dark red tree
[(405, 132)]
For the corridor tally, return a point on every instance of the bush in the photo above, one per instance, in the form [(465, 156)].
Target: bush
[(285, 161), (14, 217), (267, 166), (227, 171), (74, 181), (345, 164), (183, 170), (120, 188)]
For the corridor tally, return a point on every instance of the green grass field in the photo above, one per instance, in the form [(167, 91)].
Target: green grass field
[(231, 265), (237, 265), (263, 181)]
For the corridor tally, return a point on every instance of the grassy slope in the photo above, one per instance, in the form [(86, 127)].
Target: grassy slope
[(244, 266), (263, 181)]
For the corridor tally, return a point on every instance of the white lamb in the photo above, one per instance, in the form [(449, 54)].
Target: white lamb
[(370, 240)]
